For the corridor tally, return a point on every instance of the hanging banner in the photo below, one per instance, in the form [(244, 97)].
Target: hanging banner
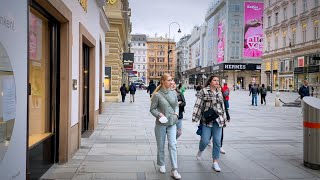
[(253, 29), (221, 38)]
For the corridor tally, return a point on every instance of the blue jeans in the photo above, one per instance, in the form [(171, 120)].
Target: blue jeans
[(179, 128), (254, 99), (226, 104), (161, 132), (215, 132)]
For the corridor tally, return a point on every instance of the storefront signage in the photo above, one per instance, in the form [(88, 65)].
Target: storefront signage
[(7, 22), (128, 59), (215, 68), (84, 4), (234, 66), (241, 66), (111, 2)]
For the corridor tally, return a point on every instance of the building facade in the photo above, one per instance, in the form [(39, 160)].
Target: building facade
[(235, 47), (61, 47), (182, 54), (139, 48), (157, 57), (292, 40), (117, 40)]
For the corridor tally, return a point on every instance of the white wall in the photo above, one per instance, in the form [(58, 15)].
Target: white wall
[(90, 20), (13, 165)]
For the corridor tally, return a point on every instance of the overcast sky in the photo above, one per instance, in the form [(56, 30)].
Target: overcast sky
[(154, 16)]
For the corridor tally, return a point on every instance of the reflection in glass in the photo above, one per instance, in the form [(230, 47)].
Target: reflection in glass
[(7, 101), (39, 79)]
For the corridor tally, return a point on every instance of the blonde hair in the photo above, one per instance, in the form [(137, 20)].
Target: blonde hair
[(164, 77)]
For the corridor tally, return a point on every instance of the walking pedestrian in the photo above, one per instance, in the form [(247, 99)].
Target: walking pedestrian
[(151, 88), (210, 111), (132, 90), (181, 88), (263, 93), (182, 104), (304, 90), (164, 106), (226, 92), (254, 91), (123, 91)]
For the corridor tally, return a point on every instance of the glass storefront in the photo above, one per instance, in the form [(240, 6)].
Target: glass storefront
[(39, 79)]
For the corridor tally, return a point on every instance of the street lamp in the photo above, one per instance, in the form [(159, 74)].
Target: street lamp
[(170, 50)]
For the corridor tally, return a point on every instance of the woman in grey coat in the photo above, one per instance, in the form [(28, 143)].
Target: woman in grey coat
[(164, 106)]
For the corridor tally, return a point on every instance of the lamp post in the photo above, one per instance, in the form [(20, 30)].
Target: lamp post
[(170, 50)]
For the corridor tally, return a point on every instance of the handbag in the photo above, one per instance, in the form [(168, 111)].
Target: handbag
[(210, 115), (199, 131)]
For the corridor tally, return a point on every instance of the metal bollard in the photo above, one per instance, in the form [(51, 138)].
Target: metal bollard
[(311, 132), (277, 100)]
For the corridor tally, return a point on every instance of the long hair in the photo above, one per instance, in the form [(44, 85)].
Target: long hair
[(164, 77), (210, 79)]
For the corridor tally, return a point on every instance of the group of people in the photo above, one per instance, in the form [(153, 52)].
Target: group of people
[(210, 110), (125, 90), (255, 91)]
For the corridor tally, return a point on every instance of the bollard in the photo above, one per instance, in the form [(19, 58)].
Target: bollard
[(311, 132), (277, 100)]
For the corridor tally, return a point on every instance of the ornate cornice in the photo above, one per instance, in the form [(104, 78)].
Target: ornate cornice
[(283, 26), (293, 21), (276, 8), (269, 12), (303, 18), (284, 4)]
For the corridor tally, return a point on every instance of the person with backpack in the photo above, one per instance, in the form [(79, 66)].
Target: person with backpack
[(151, 88), (263, 92), (132, 90), (225, 93), (123, 91)]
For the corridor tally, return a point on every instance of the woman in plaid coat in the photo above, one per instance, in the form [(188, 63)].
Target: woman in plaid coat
[(210, 97)]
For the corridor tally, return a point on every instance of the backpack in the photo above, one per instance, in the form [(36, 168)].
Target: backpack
[(131, 88), (226, 93), (264, 91)]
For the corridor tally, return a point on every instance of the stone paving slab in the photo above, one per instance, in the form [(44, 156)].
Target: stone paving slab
[(263, 142)]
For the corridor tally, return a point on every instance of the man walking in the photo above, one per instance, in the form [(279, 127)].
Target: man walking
[(123, 91), (151, 88), (304, 89), (132, 90), (254, 91)]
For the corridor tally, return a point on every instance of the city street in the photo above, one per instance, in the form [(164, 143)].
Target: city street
[(261, 142)]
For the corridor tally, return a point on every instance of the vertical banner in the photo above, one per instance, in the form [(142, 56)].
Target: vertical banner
[(301, 61), (253, 29), (220, 54)]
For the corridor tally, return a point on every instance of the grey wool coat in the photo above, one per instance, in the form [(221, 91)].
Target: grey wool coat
[(165, 101)]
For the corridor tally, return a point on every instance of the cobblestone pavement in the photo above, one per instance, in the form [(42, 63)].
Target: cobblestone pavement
[(261, 142)]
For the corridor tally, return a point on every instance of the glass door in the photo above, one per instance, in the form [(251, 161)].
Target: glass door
[(85, 98)]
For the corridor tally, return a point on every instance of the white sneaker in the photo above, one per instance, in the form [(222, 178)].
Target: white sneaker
[(216, 167), (198, 156), (175, 174), (162, 169), (222, 151)]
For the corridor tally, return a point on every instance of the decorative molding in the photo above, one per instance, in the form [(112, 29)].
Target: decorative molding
[(269, 12), (284, 4), (276, 8)]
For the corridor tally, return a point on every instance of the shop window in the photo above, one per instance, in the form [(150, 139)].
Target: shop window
[(107, 80), (39, 79)]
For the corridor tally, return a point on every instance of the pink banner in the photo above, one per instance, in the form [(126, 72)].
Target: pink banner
[(220, 55), (253, 29)]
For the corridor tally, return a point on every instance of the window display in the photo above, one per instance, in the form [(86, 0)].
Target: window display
[(39, 79), (7, 101)]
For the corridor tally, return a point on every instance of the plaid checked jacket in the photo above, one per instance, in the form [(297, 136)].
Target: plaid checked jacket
[(205, 100)]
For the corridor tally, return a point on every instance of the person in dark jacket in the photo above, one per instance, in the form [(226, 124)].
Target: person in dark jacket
[(263, 92), (304, 89), (132, 90), (254, 91), (182, 104), (123, 91), (151, 88)]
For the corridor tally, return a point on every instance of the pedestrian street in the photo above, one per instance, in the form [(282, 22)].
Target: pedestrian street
[(261, 142)]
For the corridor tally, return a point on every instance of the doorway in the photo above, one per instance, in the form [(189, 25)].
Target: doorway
[(43, 91), (240, 82), (85, 86)]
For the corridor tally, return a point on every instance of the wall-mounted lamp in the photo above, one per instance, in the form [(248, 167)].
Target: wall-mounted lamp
[(74, 84)]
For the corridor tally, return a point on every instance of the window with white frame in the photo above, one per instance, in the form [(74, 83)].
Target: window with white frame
[(269, 44), (293, 37), (316, 31), (269, 21), (143, 67), (284, 40), (305, 5), (276, 42), (276, 18), (285, 13), (294, 9), (304, 34), (139, 66)]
